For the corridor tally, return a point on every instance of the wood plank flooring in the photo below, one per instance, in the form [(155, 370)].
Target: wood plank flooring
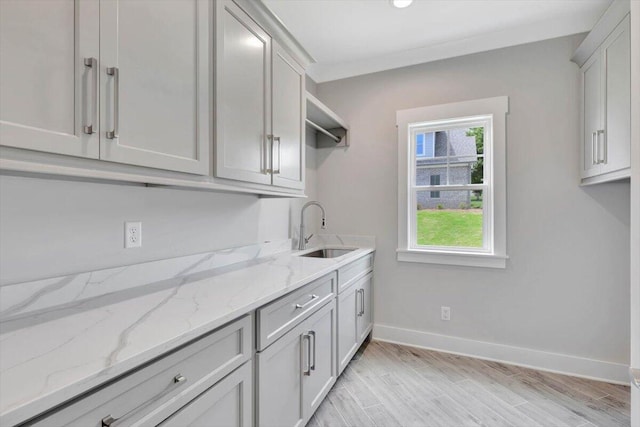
[(391, 385)]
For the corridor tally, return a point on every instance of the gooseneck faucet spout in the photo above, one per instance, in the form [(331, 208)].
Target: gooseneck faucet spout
[(302, 244)]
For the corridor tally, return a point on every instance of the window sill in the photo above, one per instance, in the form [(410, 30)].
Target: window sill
[(453, 258)]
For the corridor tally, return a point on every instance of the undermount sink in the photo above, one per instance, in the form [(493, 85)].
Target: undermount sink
[(327, 253)]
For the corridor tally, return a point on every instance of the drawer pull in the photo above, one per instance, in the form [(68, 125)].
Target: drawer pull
[(313, 297), (110, 421)]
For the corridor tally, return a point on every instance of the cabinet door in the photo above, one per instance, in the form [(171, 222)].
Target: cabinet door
[(280, 382), (226, 404), (591, 114), (616, 140), (321, 359), (348, 307), (47, 94), (365, 318), (289, 112), (242, 96), (155, 90)]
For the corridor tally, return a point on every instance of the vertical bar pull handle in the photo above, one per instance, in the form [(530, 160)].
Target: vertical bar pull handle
[(306, 361), (115, 73), (266, 157), (604, 147), (276, 171), (594, 148), (312, 365), (93, 98), (361, 298)]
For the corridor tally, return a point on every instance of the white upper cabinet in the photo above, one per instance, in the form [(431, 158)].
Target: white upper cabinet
[(193, 86), (605, 60), (243, 96), (260, 105), (592, 102), (289, 112), (48, 96), (616, 57), (155, 83)]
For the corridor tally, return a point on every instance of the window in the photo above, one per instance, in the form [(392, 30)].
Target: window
[(420, 145), (425, 145), (434, 180), (451, 174)]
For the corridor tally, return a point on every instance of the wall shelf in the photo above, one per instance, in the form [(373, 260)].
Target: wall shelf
[(331, 130)]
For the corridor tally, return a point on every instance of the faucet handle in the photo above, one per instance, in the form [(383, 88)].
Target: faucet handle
[(306, 239)]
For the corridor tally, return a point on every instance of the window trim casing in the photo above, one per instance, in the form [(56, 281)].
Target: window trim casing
[(497, 108)]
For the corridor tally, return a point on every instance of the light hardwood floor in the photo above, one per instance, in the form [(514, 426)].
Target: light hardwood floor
[(392, 385)]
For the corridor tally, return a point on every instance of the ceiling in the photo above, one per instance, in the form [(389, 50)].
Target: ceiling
[(354, 37)]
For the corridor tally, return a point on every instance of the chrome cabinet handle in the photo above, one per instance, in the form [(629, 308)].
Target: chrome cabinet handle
[(594, 148), (93, 99), (602, 148), (360, 296), (110, 421), (268, 154), (275, 138), (312, 366), (115, 73), (306, 371), (313, 297)]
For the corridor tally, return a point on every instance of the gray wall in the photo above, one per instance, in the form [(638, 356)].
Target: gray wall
[(566, 286), (50, 227)]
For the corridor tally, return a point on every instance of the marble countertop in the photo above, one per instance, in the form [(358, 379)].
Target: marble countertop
[(59, 352)]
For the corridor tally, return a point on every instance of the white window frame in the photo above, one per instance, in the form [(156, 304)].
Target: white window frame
[(490, 113)]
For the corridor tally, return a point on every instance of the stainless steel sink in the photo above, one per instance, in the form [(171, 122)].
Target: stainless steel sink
[(327, 253)]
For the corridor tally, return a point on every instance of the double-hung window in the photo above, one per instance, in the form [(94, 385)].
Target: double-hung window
[(452, 190)]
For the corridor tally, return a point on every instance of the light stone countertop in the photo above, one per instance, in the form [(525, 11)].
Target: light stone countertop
[(51, 356)]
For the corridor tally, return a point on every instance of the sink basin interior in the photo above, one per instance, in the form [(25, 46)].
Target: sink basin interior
[(327, 253)]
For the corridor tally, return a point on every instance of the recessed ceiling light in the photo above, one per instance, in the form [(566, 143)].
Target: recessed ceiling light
[(400, 4)]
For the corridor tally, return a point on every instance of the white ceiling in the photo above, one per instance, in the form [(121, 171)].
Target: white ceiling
[(353, 37)]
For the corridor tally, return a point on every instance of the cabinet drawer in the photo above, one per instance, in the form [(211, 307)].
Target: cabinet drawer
[(226, 404), (348, 274), (275, 319), (158, 389)]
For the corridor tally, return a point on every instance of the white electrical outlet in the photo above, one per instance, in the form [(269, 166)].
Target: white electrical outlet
[(445, 313), (132, 234)]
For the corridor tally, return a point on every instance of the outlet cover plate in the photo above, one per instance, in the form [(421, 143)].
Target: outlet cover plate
[(132, 234)]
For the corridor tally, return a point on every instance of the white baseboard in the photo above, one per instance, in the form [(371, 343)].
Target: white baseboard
[(553, 362)]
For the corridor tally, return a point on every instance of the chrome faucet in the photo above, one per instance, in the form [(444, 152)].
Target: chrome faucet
[(304, 240)]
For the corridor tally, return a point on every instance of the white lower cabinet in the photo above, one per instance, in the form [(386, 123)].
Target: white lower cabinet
[(297, 371), (364, 318), (354, 318), (347, 326), (226, 404)]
